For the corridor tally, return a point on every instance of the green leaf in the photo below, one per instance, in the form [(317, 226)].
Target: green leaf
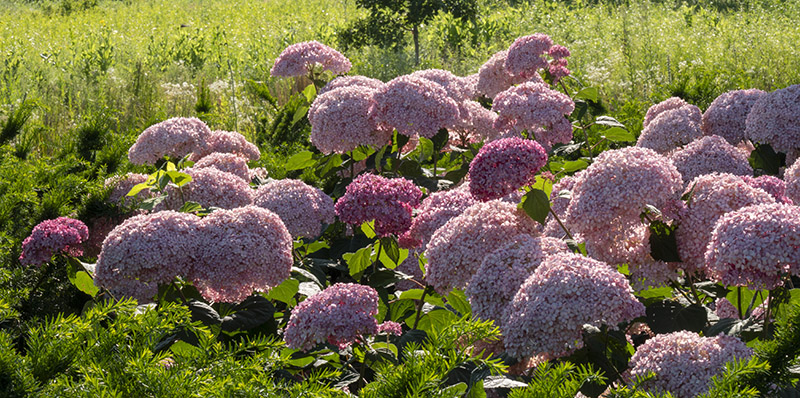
[(588, 93), (435, 320), (84, 283), (249, 314), (670, 316), (440, 140), (150, 203), (391, 254), (458, 301), (362, 153), (178, 178), (190, 207), (765, 160), (285, 291), (572, 166), (537, 205), (184, 349), (425, 148), (618, 134), (359, 261), (138, 188), (608, 121), (300, 160), (310, 93), (663, 245), (368, 228)]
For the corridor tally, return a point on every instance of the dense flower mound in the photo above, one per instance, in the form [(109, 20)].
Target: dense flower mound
[(726, 116), (774, 186), (303, 208), (340, 121), (414, 105), (536, 108), (710, 154), (174, 137), (494, 78), (775, 120), (227, 162), (671, 129), (341, 314), (684, 362), (714, 195), (50, 237), (527, 55), (792, 178), (227, 142), (435, 211), (566, 291), (121, 185), (503, 166), (663, 106), (558, 66), (476, 124), (504, 270), (240, 251), (210, 187), (456, 250), (351, 81), (755, 245), (456, 87), (388, 201), (146, 250), (300, 59)]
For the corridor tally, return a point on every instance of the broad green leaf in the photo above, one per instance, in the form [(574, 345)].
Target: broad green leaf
[(391, 255), (285, 291), (359, 261), (184, 349), (84, 283), (310, 93), (171, 166), (190, 207), (178, 178), (368, 228), (138, 188), (608, 121), (618, 134), (458, 300), (765, 160), (300, 161), (588, 93), (575, 165), (536, 204), (362, 152)]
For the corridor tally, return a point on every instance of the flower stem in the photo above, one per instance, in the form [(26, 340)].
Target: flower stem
[(419, 308)]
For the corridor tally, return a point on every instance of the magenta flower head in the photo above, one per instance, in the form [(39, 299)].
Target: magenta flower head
[(565, 292), (341, 314), (792, 178), (526, 55), (436, 210), (51, 237), (227, 162), (684, 362), (176, 138), (388, 201), (671, 129), (755, 246), (340, 121), (774, 119), (494, 78), (774, 186), (726, 116), (536, 108), (414, 105), (227, 142), (504, 166), (710, 154), (301, 58), (241, 251), (303, 208), (351, 81), (210, 187)]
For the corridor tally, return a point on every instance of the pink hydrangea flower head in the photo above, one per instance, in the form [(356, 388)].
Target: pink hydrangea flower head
[(663, 106), (565, 292), (476, 123), (210, 187), (726, 116), (792, 178), (456, 250), (436, 210), (493, 78), (504, 270), (713, 196), (227, 142), (226, 162), (340, 121), (724, 309), (671, 129), (241, 251), (174, 137), (558, 52), (684, 362), (774, 119), (341, 314), (774, 186), (558, 69), (526, 55), (388, 201), (50, 237), (457, 88), (710, 154), (303, 208), (755, 246), (503, 166), (351, 81), (414, 105), (536, 108), (300, 58), (121, 185)]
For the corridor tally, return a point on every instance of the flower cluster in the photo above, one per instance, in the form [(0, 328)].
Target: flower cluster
[(351, 81), (536, 108), (341, 314), (227, 142), (526, 55), (303, 208), (755, 246), (558, 66), (792, 178), (774, 119), (726, 116), (455, 86), (684, 362), (503, 166), (494, 78), (774, 186), (300, 59), (388, 201), (710, 154), (663, 106), (476, 124), (414, 105), (671, 129), (559, 204), (565, 292), (436, 210), (227, 162), (209, 187), (340, 120), (176, 138), (50, 237)]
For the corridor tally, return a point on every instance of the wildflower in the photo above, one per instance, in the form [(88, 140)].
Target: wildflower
[(210, 187), (774, 186), (351, 81), (436, 210), (300, 59), (671, 129), (663, 106), (526, 55), (226, 142), (302, 208), (51, 237), (503, 166), (494, 78)]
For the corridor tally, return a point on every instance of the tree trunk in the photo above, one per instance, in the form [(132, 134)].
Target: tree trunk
[(415, 33)]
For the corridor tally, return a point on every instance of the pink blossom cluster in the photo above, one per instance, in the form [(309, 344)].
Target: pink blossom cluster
[(792, 178), (388, 201), (300, 59), (725, 309), (341, 315), (536, 108), (671, 128), (435, 211), (494, 78), (51, 237), (774, 186), (504, 166), (121, 185), (340, 120), (303, 208), (504, 270), (227, 162), (351, 81), (476, 124), (726, 116), (713, 196), (755, 246), (176, 138), (661, 107), (558, 66), (684, 362), (414, 105), (209, 187), (226, 142), (527, 55), (774, 119), (559, 205), (565, 292), (456, 250), (455, 86), (710, 154)]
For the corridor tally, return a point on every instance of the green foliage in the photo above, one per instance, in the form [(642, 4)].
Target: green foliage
[(561, 380), (16, 121)]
